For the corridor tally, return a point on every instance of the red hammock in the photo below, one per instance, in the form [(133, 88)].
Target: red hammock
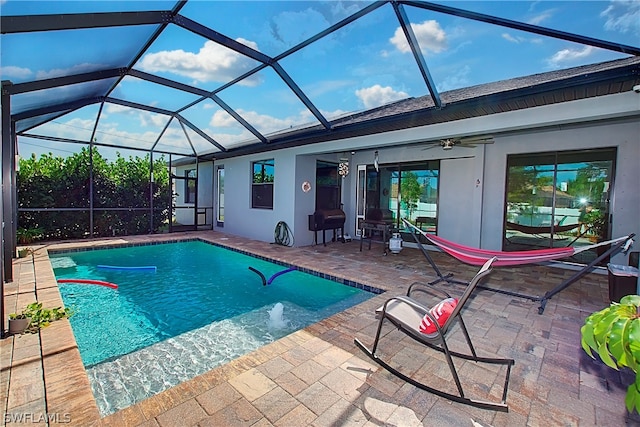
[(475, 256)]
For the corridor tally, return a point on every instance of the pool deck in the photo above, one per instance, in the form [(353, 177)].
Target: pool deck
[(318, 377)]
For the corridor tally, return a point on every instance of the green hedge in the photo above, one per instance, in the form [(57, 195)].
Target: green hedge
[(64, 182)]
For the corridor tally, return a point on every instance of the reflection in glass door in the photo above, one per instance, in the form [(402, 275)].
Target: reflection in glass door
[(361, 201), (220, 197), (407, 190), (558, 199)]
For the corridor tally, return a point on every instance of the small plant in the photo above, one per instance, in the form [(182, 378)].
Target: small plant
[(26, 236), (614, 333), (16, 316), (596, 223), (41, 317), (22, 253)]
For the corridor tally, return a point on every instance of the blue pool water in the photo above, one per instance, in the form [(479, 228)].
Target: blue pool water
[(202, 307)]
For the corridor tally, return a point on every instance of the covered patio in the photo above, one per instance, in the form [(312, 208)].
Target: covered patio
[(318, 377)]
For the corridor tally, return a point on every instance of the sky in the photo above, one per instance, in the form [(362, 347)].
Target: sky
[(364, 65)]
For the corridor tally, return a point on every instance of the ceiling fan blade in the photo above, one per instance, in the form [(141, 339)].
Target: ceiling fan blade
[(430, 146), (476, 140), (449, 143)]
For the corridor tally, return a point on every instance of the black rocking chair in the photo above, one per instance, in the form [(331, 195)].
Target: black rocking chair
[(407, 314)]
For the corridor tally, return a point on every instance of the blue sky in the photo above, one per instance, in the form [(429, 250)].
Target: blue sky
[(362, 66)]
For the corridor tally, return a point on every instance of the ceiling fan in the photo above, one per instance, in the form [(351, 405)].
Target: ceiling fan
[(449, 143)]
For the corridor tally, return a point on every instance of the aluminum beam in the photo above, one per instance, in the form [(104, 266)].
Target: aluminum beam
[(8, 189), (66, 80), (417, 53), (73, 21), (618, 47)]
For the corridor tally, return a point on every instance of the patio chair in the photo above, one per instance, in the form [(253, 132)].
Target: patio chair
[(429, 326)]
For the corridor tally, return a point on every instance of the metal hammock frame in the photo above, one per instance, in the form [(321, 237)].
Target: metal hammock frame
[(476, 256)]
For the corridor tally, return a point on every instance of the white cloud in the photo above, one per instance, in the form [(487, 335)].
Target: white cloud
[(149, 119), (569, 56), (223, 119), (265, 124), (377, 95), (342, 9), (77, 124), (74, 128), (519, 39), (15, 72), (622, 16), (109, 133), (330, 115), (117, 109), (322, 87), (291, 28), (76, 69), (455, 79), (212, 63), (508, 37), (541, 17), (144, 118), (429, 34)]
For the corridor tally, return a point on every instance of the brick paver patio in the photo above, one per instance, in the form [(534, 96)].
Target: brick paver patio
[(318, 377)]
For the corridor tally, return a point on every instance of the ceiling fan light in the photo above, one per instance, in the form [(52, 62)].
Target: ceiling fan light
[(447, 144)]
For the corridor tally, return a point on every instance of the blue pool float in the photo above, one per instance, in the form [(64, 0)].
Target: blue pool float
[(266, 282), (279, 273)]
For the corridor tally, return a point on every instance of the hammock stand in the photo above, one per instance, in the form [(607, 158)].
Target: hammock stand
[(475, 256)]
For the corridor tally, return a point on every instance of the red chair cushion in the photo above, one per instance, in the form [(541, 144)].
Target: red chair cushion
[(440, 312)]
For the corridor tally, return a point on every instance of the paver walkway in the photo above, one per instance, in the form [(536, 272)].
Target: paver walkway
[(318, 377)]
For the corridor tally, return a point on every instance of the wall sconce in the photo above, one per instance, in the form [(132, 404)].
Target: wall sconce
[(375, 160), (343, 167)]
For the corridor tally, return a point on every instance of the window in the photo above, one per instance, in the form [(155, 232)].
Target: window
[(558, 199), (262, 184), (220, 211), (190, 186)]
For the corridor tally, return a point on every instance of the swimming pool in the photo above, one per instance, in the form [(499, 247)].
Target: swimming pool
[(202, 307)]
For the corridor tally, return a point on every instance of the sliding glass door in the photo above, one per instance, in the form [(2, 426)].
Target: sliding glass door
[(558, 199), (406, 190)]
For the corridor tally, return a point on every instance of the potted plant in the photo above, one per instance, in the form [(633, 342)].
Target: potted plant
[(22, 253), (26, 236), (34, 317), (18, 323), (614, 334)]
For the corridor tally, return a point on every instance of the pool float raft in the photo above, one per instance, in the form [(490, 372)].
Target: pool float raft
[(89, 282)]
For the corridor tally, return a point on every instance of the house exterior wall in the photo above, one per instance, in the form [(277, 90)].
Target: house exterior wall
[(243, 220), (472, 180), (625, 202)]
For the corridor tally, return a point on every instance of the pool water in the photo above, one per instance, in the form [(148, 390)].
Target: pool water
[(202, 307)]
